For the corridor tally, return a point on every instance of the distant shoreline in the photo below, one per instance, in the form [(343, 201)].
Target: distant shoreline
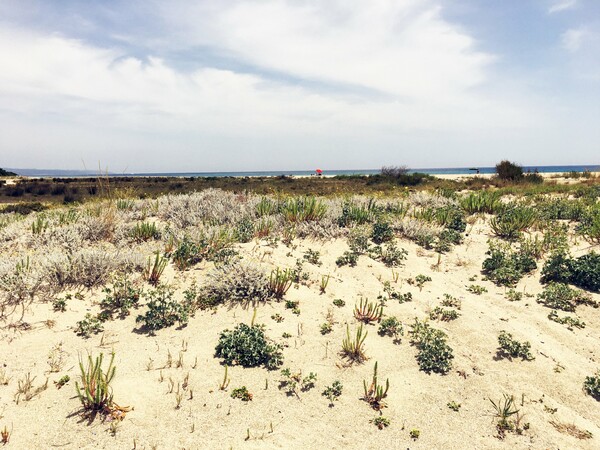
[(442, 172)]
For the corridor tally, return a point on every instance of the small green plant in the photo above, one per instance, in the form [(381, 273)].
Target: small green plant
[(368, 312), (375, 393), (511, 348), (95, 392), (293, 383), (434, 354), (570, 322), (392, 294), (225, 383), (414, 434), (60, 304), (391, 326), (155, 268), (89, 325), (313, 257), (476, 289), (514, 296), (324, 283), (511, 222), (163, 311), (280, 282), (248, 346), (420, 280), (507, 415), (591, 385), (451, 302), (443, 314), (583, 272), (326, 328), (380, 422), (561, 296), (453, 406), (333, 392), (277, 318), (39, 225), (506, 266), (242, 393), (145, 231), (348, 258), (382, 232), (62, 381), (339, 302), (121, 297), (354, 347)]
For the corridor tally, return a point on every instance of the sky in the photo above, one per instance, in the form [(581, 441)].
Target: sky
[(229, 85)]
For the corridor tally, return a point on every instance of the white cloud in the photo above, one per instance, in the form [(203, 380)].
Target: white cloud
[(573, 38), (327, 80), (562, 5)]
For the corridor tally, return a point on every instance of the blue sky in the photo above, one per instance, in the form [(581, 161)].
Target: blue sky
[(283, 85)]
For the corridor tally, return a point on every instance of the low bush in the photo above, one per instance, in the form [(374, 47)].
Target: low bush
[(123, 296), (510, 223), (591, 385), (561, 296), (434, 354), (240, 283), (583, 272), (511, 348), (163, 311), (248, 346), (510, 171), (505, 266)]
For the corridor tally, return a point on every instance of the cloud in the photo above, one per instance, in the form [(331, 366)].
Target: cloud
[(573, 38), (257, 85), (562, 5)]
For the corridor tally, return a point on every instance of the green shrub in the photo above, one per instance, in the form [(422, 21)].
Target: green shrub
[(333, 392), (244, 230), (382, 232), (163, 311), (348, 258), (443, 314), (510, 171), (511, 348), (313, 257), (392, 327), (591, 385), (560, 296), (242, 393), (89, 325), (390, 255), (434, 354), (121, 298), (505, 266), (583, 272), (570, 322), (248, 346)]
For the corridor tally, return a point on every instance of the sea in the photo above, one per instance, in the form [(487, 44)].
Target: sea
[(325, 171)]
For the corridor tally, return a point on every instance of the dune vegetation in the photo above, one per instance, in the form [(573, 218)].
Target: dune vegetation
[(428, 317)]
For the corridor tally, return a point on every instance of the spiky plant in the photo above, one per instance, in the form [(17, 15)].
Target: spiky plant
[(375, 393), (368, 312), (353, 348), (95, 392)]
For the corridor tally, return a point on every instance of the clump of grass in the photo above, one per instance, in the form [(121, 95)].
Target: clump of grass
[(375, 393), (155, 268), (95, 392), (354, 347), (508, 417), (368, 312), (511, 348), (280, 282), (510, 223), (145, 231)]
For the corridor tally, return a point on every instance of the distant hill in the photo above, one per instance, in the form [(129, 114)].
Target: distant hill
[(6, 173)]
